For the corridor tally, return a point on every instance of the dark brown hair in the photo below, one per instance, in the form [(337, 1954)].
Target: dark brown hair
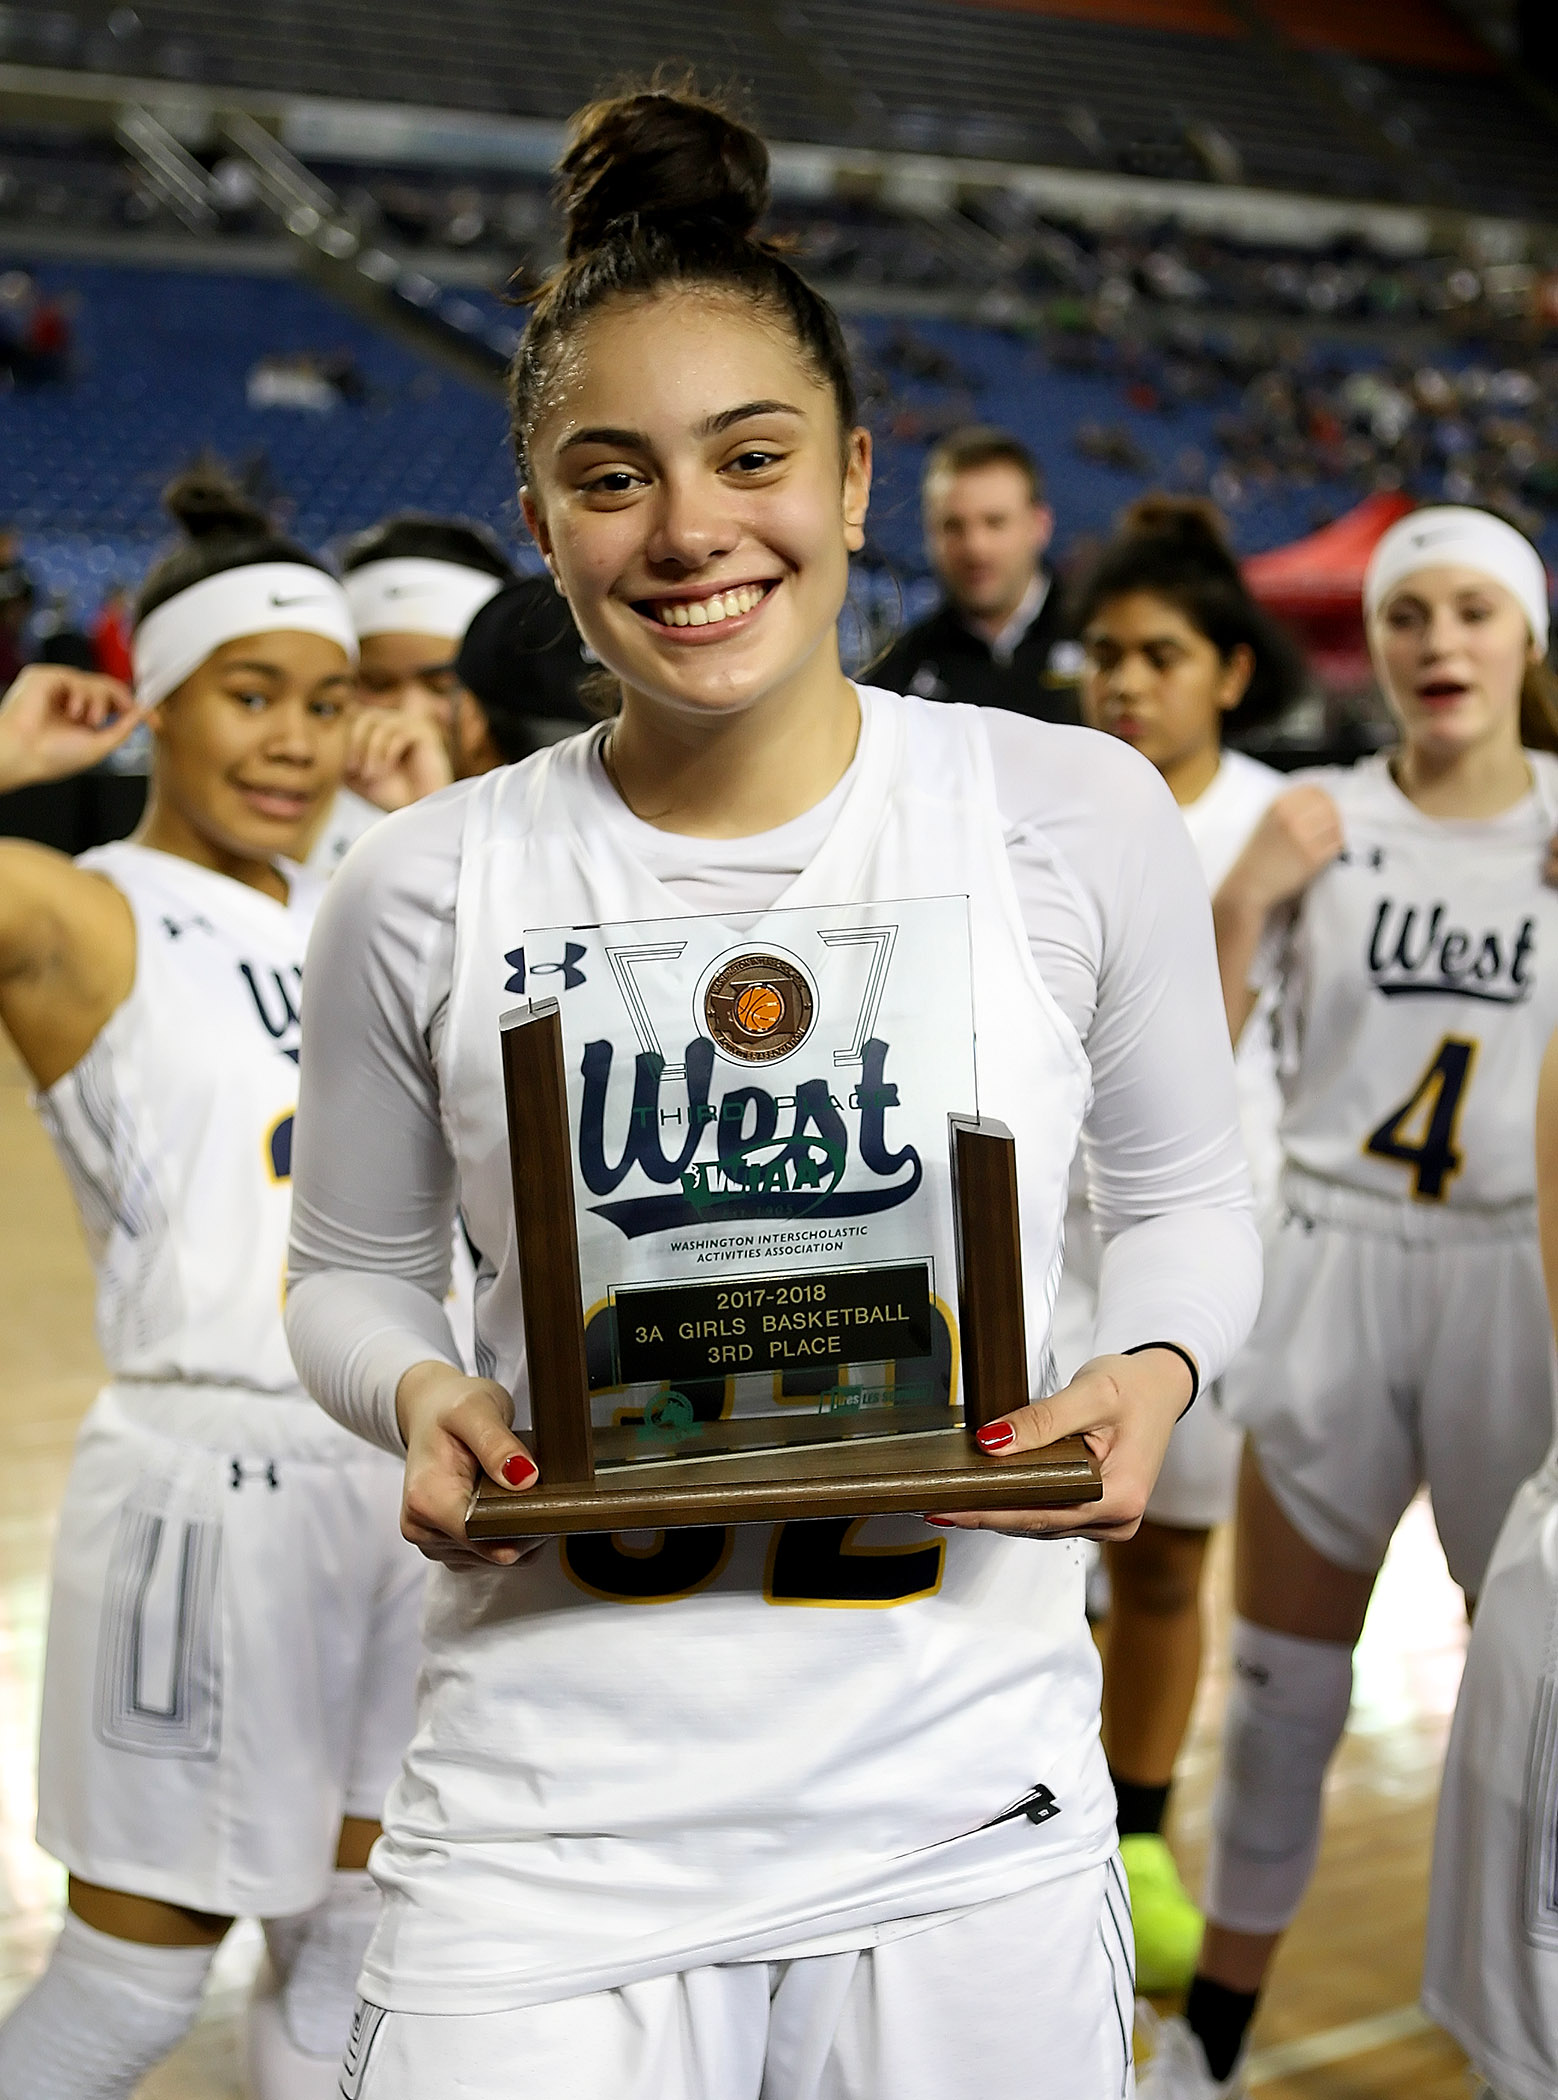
[(660, 188), (1174, 548), (418, 535), (982, 445), (224, 528)]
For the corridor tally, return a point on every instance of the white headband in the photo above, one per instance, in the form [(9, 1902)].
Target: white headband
[(266, 597), (1455, 535), (411, 595)]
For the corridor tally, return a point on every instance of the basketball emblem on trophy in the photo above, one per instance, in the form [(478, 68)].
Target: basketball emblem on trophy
[(758, 1007)]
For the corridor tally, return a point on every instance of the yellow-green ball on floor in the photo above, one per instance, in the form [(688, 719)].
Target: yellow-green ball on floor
[(1167, 1924)]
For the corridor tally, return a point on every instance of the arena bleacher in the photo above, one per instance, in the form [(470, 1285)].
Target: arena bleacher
[(85, 461), (1121, 348), (1176, 89)]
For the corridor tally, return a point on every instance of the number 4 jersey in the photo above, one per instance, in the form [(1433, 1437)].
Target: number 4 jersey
[(176, 1126), (1418, 987)]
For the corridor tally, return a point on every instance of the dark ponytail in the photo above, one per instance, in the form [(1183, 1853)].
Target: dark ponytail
[(223, 527), (1174, 548), (661, 188)]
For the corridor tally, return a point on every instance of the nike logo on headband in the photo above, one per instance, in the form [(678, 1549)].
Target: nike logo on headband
[(306, 598)]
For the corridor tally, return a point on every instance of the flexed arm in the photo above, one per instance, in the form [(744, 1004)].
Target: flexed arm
[(67, 938)]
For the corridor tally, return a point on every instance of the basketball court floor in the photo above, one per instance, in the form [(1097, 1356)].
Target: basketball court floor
[(1341, 2019)]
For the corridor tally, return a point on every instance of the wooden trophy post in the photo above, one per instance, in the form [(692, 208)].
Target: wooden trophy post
[(772, 1468)]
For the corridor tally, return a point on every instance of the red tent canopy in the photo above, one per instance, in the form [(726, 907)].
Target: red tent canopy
[(1316, 586)]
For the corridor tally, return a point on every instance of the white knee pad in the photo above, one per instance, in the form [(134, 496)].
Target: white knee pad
[(316, 1959), (1286, 1712), (100, 2016)]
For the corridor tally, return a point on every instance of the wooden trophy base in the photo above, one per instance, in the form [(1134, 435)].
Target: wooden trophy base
[(862, 1475)]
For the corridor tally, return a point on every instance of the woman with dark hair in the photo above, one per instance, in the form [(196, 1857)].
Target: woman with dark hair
[(233, 1620), (687, 1817), (414, 583), (1174, 551), (1177, 654)]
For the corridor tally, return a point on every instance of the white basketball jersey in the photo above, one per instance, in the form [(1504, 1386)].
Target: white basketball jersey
[(1490, 1965), (1220, 822), (350, 815), (703, 1744), (1419, 986), (1223, 815), (175, 1128)]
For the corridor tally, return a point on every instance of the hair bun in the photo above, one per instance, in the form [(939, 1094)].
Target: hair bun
[(208, 504), (658, 155), (1186, 522)]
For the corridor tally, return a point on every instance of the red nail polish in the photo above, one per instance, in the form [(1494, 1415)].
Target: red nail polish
[(518, 1470), (941, 1523), (995, 1436)]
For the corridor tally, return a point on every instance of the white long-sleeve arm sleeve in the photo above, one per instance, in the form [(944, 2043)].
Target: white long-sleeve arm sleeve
[(372, 1180), (354, 1335)]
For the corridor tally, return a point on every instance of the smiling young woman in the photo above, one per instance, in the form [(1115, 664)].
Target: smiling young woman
[(1399, 915), (413, 583), (692, 1845), (226, 1691)]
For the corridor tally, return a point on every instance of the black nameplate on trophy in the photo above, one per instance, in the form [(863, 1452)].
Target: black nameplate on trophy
[(815, 1321)]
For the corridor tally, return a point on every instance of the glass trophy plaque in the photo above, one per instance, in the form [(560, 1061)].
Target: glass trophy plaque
[(768, 1248)]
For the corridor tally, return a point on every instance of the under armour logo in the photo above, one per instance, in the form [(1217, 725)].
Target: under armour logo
[(568, 969), (267, 1473), (1038, 1806)]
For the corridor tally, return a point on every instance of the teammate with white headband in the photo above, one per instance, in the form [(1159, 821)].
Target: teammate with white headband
[(233, 1628), (1398, 912), (413, 584)]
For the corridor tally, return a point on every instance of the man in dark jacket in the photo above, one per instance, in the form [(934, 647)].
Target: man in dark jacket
[(998, 638)]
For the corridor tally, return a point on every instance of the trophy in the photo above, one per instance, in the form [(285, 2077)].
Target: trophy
[(768, 1249)]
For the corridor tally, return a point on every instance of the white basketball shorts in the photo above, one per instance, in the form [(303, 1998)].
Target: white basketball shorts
[(234, 1635), (1396, 1344), (1490, 1972), (1026, 1998), (1195, 1488)]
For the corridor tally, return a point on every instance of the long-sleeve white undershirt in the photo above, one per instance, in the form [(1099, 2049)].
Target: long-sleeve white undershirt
[(1116, 913)]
